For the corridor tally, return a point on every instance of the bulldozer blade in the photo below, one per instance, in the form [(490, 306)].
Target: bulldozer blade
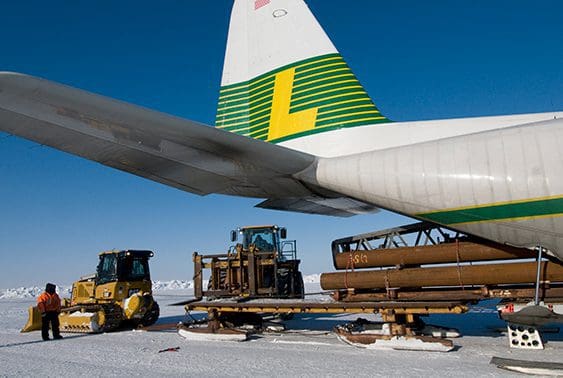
[(33, 320), (74, 322), (81, 322)]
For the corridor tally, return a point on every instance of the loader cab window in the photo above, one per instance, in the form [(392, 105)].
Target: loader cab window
[(134, 268), (107, 269), (265, 239)]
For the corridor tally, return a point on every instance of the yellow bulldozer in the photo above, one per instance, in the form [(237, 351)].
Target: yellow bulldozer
[(119, 294)]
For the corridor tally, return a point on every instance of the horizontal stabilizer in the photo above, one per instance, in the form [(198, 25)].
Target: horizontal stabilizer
[(338, 207)]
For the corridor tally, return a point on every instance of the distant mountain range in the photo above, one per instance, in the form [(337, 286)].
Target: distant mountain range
[(158, 286)]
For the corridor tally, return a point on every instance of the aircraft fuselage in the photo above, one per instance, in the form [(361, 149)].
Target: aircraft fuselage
[(503, 184)]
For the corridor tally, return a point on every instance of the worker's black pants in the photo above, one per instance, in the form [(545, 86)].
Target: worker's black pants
[(53, 318)]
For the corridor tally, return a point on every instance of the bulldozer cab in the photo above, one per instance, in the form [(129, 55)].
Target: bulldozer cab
[(261, 264), (123, 266)]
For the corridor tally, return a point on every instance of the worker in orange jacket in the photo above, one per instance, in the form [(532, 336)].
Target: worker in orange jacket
[(49, 304)]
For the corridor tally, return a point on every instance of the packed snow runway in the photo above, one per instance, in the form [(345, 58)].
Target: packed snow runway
[(308, 348)]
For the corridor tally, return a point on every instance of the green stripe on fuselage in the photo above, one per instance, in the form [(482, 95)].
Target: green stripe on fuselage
[(498, 212)]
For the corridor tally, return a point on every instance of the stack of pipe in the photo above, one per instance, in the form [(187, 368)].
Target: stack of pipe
[(400, 267)]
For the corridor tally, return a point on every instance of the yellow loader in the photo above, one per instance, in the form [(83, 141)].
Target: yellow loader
[(119, 294)]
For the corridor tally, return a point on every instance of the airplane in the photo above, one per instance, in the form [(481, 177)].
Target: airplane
[(296, 128)]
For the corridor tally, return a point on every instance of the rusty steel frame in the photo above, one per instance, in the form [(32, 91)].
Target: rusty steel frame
[(388, 308), (548, 292), (241, 273), (402, 317), (425, 234), (423, 261), (416, 244)]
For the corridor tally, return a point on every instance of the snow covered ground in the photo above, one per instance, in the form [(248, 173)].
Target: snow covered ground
[(307, 349)]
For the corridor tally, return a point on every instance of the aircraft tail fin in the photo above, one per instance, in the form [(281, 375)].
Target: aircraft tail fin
[(283, 78)]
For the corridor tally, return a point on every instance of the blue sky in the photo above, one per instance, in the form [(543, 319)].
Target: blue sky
[(418, 60)]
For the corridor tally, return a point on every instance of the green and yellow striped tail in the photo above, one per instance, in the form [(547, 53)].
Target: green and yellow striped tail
[(311, 96)]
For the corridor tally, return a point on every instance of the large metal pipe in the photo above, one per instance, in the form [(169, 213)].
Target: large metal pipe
[(428, 254), (486, 274), (450, 294)]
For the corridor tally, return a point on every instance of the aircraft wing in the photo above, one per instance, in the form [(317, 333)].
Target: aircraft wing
[(338, 207), (180, 153)]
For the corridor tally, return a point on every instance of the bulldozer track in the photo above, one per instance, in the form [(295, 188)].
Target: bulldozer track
[(112, 318)]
